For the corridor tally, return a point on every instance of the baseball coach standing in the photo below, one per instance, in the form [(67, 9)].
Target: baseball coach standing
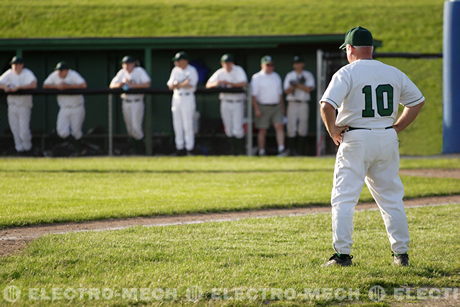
[(366, 94)]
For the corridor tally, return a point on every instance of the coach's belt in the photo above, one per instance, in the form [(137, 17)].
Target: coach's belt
[(357, 128), (269, 104), (132, 100), (232, 101)]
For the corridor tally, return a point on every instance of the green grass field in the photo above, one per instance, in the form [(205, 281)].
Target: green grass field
[(275, 253), (38, 191), (405, 26)]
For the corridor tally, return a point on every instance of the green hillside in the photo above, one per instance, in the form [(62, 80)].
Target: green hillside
[(403, 25)]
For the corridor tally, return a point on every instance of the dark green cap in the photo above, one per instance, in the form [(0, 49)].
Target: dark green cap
[(266, 59), (358, 36), (298, 59), (128, 59), (17, 60), (62, 66), (181, 55), (227, 58)]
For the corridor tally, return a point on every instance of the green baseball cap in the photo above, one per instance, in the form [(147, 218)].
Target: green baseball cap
[(297, 59), (266, 59), (62, 66), (358, 36), (128, 59), (17, 60), (181, 55), (227, 58)]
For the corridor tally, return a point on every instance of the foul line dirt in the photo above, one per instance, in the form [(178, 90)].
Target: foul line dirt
[(14, 239)]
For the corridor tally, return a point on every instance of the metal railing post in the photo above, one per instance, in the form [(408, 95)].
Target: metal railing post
[(110, 128), (249, 122), (321, 81), (148, 128)]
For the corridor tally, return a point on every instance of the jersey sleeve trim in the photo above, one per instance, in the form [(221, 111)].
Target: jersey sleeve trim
[(415, 102), (330, 101)]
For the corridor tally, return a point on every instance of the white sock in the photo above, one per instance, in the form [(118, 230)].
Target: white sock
[(280, 148), (261, 151)]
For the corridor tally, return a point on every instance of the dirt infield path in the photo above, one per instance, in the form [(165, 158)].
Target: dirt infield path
[(15, 239)]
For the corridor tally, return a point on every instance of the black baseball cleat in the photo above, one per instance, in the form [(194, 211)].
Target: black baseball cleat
[(401, 259), (339, 260)]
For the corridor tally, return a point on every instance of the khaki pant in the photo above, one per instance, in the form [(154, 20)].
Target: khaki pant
[(297, 118), (270, 114)]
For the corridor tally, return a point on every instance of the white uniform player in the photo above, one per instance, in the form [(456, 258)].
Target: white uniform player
[(71, 107), (231, 104), (183, 81), (131, 76), (366, 94), (297, 86), (19, 106)]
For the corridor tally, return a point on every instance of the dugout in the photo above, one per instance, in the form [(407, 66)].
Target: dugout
[(98, 59)]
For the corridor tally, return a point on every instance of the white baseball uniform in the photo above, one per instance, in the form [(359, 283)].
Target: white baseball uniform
[(183, 106), (366, 94), (133, 104), (71, 107), (298, 108), (19, 108), (232, 104)]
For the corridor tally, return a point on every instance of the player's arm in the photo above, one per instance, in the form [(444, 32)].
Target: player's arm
[(407, 117), (213, 81), (212, 84), (117, 81), (139, 85), (328, 116), (184, 84), (282, 104), (255, 105), (288, 87), (49, 85), (305, 88), (32, 85), (116, 84), (66, 86), (237, 84)]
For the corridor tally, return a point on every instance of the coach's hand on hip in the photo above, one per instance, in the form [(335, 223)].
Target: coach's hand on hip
[(328, 115)]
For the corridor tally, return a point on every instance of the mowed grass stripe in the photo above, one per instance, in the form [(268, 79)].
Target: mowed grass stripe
[(49, 191), (252, 253)]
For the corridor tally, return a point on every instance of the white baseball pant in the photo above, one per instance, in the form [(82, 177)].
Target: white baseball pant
[(232, 117), (297, 119), (183, 110), (19, 121), (133, 115), (70, 121), (370, 156)]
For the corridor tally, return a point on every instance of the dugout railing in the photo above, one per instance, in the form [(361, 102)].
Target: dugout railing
[(149, 93)]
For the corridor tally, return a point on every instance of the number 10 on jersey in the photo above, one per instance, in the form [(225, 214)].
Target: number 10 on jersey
[(379, 94)]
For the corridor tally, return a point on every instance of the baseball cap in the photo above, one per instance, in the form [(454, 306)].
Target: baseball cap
[(17, 60), (297, 59), (62, 66), (358, 36), (128, 59), (181, 55), (266, 59), (227, 58)]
